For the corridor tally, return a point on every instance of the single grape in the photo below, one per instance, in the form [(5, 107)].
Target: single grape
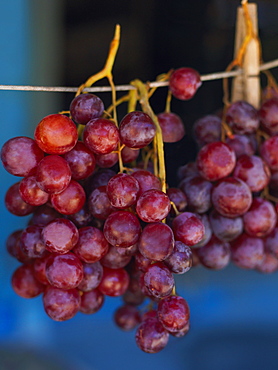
[(101, 135), (158, 280), (127, 317), (137, 130), (61, 304), (231, 197), (24, 282), (173, 313), (99, 203), (53, 174), (64, 271), (260, 219), (14, 202), (156, 241), (81, 161), (122, 229), (69, 201), (188, 228), (56, 134), (91, 301), (180, 260), (215, 161), (225, 228), (151, 337), (21, 155), (85, 107), (172, 127), (242, 117), (198, 194), (31, 193), (153, 206), (207, 130), (32, 242), (184, 82), (114, 282), (92, 245), (92, 275), (122, 190), (113, 259), (60, 236), (247, 251), (253, 171), (215, 254)]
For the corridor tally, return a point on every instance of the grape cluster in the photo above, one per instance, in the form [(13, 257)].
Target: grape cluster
[(96, 230), (232, 185)]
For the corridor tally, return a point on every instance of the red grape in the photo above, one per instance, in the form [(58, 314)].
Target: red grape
[(21, 155), (81, 160), (56, 134), (242, 117), (188, 228), (180, 260), (91, 301), (127, 317), (60, 236), (64, 271), (122, 229), (101, 135), (172, 127), (151, 337), (114, 282), (24, 282), (231, 197), (153, 206), (53, 174), (122, 190), (215, 161), (156, 241), (85, 107), (215, 254), (184, 82), (61, 304), (14, 202), (69, 201), (137, 130), (92, 245), (173, 313), (31, 193)]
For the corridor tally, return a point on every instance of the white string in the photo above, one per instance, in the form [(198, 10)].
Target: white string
[(207, 77)]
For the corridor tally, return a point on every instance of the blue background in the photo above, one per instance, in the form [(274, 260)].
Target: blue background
[(234, 313)]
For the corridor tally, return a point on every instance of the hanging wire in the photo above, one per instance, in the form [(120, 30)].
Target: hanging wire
[(207, 77)]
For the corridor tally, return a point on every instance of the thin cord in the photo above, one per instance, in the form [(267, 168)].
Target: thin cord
[(207, 77)]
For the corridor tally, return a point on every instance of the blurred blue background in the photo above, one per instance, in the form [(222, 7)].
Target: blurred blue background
[(234, 313)]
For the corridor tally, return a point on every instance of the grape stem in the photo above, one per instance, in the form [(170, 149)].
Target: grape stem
[(158, 140)]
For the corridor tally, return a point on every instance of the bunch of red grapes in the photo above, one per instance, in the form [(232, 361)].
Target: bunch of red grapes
[(233, 186), (96, 230)]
